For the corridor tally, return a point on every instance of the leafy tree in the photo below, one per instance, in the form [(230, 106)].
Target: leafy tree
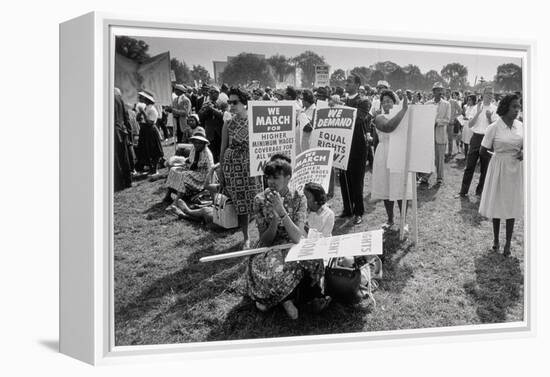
[(508, 77), (338, 78), (376, 76), (386, 67), (397, 78), (307, 61), (200, 73), (281, 66), (244, 68), (415, 78), (363, 72), (432, 77), (182, 71), (132, 48), (455, 75)]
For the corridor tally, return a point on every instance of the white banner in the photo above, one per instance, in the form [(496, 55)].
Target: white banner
[(422, 153), (152, 75), (322, 75), (333, 128), (271, 130), (313, 165), (347, 245)]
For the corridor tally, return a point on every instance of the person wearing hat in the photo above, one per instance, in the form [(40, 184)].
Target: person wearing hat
[(376, 107), (188, 180), (442, 120), (352, 179), (211, 117), (180, 109), (149, 148)]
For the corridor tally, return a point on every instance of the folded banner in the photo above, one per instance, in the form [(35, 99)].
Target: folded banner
[(422, 119), (153, 75), (333, 128), (347, 245), (313, 165), (271, 129)]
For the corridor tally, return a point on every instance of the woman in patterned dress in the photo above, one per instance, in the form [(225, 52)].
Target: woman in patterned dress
[(502, 196), (235, 161), (280, 218)]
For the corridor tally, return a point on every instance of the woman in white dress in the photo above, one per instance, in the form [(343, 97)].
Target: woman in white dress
[(502, 196), (387, 185)]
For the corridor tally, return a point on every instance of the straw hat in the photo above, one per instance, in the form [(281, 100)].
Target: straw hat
[(147, 95), (199, 134), (438, 85), (383, 83)]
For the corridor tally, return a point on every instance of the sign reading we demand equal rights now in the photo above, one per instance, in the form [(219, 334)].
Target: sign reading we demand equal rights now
[(333, 128), (346, 245), (271, 126)]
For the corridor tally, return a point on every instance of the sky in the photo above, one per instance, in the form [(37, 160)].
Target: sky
[(203, 52)]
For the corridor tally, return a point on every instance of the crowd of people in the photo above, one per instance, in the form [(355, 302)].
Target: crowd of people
[(214, 122)]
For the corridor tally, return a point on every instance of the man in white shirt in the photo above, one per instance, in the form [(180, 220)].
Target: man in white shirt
[(442, 119), (485, 115)]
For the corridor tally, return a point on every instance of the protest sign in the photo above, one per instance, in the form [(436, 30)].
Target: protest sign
[(313, 165), (333, 128), (272, 127), (347, 245), (322, 75), (152, 75), (422, 153)]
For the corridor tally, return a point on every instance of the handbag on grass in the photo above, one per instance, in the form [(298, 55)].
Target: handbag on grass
[(342, 283)]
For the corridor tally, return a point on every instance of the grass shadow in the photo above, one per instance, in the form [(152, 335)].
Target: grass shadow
[(156, 211), (469, 212), (498, 286), (396, 273), (427, 194), (178, 283), (244, 321)]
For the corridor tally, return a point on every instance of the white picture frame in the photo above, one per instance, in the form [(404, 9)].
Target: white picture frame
[(86, 268)]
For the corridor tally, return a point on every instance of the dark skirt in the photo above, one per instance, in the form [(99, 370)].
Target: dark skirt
[(149, 147)]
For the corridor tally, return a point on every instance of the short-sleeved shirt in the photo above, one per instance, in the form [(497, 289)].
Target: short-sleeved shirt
[(322, 220), (480, 127), (502, 139)]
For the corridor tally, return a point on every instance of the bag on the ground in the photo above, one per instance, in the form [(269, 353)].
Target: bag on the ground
[(224, 214), (342, 283)]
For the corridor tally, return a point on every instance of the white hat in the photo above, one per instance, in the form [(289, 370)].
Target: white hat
[(199, 134), (383, 83), (438, 85), (147, 95), (180, 87)]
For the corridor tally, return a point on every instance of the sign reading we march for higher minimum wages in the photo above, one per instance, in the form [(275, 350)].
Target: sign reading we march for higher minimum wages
[(333, 128), (271, 126)]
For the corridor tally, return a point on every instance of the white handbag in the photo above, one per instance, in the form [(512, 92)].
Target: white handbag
[(224, 212)]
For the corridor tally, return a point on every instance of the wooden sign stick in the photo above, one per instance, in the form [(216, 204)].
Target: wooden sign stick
[(406, 175), (243, 253)]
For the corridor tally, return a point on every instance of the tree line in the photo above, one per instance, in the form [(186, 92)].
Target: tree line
[(247, 67)]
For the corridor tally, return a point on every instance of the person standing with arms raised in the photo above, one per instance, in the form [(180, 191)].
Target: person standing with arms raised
[(485, 115)]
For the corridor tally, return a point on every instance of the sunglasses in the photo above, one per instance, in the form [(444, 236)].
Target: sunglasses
[(234, 102)]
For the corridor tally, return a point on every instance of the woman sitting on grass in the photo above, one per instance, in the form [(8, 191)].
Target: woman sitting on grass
[(188, 179), (280, 217), (203, 214)]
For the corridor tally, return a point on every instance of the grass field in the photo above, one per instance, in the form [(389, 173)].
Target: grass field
[(451, 278)]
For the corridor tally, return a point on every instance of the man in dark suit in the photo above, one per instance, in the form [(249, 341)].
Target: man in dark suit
[(352, 180), (211, 118)]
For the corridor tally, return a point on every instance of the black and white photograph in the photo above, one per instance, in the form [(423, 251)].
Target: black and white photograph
[(271, 187)]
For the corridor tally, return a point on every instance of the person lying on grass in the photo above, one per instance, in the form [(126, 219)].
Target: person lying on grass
[(280, 217), (202, 214), (188, 179)]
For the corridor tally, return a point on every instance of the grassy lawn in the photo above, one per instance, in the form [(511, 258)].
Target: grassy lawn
[(164, 295)]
